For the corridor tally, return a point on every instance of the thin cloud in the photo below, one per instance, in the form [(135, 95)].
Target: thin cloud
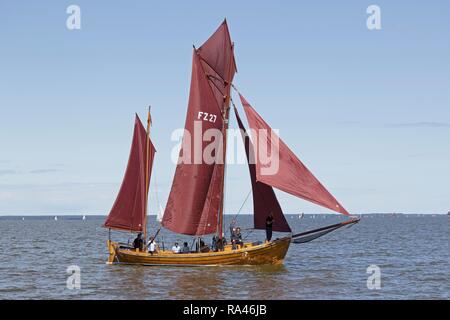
[(422, 124), (6, 172), (349, 122), (40, 171), (57, 165)]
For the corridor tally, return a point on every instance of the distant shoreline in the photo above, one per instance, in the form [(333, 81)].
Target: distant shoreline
[(241, 214)]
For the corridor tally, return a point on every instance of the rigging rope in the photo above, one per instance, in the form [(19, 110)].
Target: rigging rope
[(233, 221), (235, 89), (231, 99), (249, 233)]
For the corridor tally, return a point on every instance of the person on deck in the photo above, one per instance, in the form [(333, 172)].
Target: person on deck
[(200, 246), (224, 241), (215, 243), (233, 237), (238, 237), (152, 246), (176, 248), (185, 248), (138, 243), (221, 243), (269, 223)]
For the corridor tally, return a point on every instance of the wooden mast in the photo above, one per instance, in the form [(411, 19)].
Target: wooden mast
[(147, 154), (226, 115)]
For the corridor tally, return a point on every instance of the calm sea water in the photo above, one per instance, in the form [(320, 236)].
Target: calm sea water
[(412, 251)]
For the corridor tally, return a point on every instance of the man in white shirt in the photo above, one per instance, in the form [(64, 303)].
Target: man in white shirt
[(151, 246), (176, 248)]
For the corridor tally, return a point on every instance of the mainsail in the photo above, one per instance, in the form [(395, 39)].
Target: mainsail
[(264, 198), (128, 211), (291, 175), (195, 200)]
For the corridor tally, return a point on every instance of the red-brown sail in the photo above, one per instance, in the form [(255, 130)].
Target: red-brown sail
[(128, 211), (264, 198), (195, 198), (292, 176)]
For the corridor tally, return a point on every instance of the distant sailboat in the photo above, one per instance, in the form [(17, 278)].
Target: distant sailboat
[(84, 217), (56, 218), (23, 219)]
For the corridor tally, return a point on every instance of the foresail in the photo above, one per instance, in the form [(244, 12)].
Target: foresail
[(264, 198), (128, 211), (195, 198), (290, 174)]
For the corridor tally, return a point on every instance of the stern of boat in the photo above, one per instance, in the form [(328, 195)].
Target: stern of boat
[(112, 247)]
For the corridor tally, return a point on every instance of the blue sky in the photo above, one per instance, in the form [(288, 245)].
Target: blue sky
[(367, 111)]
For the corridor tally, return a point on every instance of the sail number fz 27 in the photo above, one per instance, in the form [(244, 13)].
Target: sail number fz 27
[(205, 116)]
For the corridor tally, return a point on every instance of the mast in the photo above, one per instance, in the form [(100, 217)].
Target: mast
[(226, 116), (128, 211), (195, 203), (147, 149)]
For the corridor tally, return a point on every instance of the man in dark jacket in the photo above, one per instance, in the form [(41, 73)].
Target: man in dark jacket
[(138, 243)]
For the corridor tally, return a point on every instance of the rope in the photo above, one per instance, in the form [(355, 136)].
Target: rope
[(233, 221), (235, 89), (249, 233), (232, 102)]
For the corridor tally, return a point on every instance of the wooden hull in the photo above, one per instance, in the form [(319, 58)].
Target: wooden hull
[(267, 253)]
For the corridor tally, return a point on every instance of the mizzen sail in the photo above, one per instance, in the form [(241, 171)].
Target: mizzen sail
[(128, 211), (264, 198), (196, 196), (291, 175)]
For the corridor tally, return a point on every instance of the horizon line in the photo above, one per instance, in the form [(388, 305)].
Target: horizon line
[(241, 214)]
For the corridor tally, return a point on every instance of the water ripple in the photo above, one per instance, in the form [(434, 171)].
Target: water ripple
[(413, 254)]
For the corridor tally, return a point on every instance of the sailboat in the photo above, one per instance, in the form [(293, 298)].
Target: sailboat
[(84, 217), (195, 205), (56, 218)]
